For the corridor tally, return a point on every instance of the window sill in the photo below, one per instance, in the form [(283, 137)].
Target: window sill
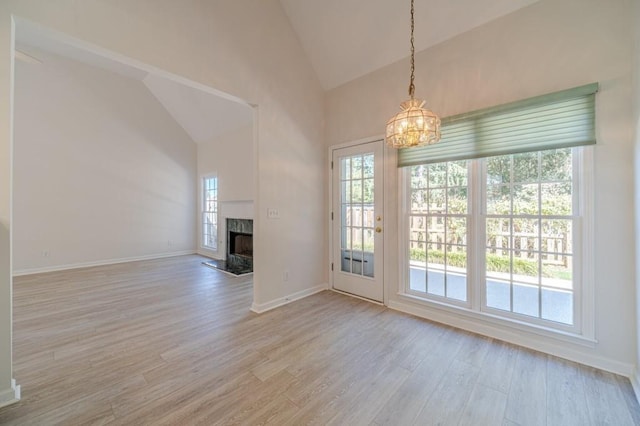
[(498, 323)]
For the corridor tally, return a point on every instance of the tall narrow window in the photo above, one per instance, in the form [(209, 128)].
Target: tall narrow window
[(529, 234), (210, 213), (438, 230)]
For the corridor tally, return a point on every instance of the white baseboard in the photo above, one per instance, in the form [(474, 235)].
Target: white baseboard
[(260, 308), (635, 382), (11, 395), (30, 271), (573, 352)]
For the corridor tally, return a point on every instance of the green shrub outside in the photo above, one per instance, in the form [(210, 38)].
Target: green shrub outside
[(494, 263)]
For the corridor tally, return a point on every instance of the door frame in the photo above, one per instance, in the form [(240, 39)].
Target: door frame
[(389, 162)]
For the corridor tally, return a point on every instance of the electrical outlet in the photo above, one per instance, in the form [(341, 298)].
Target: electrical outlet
[(285, 275), (273, 214), (45, 253)]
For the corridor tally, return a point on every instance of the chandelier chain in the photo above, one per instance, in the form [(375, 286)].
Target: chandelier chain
[(412, 87)]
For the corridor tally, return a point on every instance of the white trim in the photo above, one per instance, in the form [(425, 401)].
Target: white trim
[(11, 395), (553, 343), (385, 157), (635, 383), (583, 329), (260, 308), (79, 265)]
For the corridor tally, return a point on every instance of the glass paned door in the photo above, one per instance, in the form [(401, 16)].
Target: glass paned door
[(357, 220)]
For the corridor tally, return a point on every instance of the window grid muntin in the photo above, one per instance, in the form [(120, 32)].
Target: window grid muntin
[(357, 229), (512, 216), (420, 188), (578, 170)]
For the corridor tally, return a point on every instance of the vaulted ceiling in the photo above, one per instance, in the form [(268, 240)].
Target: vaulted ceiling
[(346, 39), (343, 40)]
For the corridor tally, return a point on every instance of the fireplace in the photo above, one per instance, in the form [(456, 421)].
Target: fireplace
[(240, 244)]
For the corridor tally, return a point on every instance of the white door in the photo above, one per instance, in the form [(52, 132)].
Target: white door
[(357, 224)]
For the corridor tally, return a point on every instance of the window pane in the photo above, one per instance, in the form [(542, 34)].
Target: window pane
[(419, 177), (368, 216), (557, 236), (498, 170), (525, 299), (435, 282), (498, 233), (367, 196), (457, 286), (346, 191), (557, 270), (457, 230), (457, 200), (417, 278), (367, 166), (498, 265), (437, 175), (525, 199), (498, 199), (419, 200), (345, 168), (356, 238), (525, 234), (356, 167), (499, 294), (437, 200), (456, 272), (556, 198), (368, 240), (556, 165), (356, 191), (457, 173), (525, 167), (525, 267), (557, 305)]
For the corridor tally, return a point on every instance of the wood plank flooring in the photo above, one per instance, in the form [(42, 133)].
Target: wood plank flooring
[(171, 342)]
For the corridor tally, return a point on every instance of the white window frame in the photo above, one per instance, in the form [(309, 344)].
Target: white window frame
[(205, 212), (584, 320)]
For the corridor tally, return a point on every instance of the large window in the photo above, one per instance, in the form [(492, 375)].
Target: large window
[(514, 217), (497, 215), (210, 213)]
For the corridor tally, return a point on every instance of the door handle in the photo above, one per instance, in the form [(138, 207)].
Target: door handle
[(378, 229)]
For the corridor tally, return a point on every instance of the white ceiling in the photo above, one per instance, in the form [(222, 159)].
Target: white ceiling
[(203, 115), (346, 39)]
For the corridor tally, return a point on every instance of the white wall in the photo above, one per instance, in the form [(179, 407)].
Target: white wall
[(245, 48), (548, 46), (101, 170), (7, 391), (636, 121), (230, 158)]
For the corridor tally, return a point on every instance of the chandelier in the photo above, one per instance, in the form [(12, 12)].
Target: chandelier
[(414, 125)]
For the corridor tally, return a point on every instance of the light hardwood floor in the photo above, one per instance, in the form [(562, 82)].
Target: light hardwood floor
[(173, 342)]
